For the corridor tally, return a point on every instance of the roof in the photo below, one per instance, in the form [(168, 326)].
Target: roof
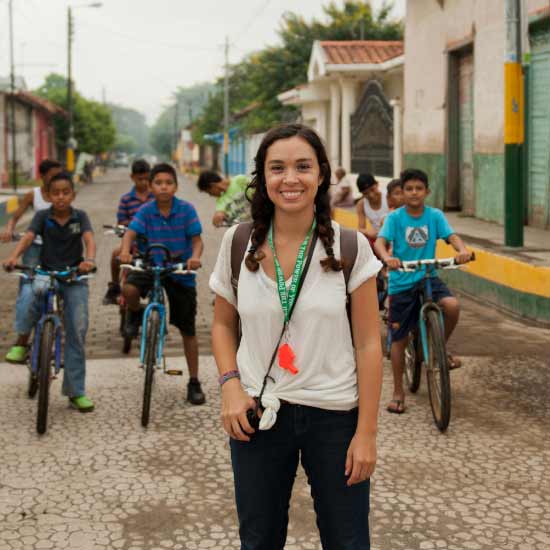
[(39, 103), (348, 52)]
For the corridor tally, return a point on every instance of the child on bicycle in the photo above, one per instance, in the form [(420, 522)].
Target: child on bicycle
[(37, 199), (372, 206), (68, 241), (174, 223), (232, 206), (128, 205), (394, 194), (413, 232)]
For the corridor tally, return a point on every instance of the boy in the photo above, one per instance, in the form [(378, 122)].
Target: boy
[(37, 199), (394, 194), (372, 207), (65, 231), (232, 206), (413, 231), (128, 205), (173, 222)]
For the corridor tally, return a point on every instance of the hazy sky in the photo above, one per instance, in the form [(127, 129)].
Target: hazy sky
[(139, 51)]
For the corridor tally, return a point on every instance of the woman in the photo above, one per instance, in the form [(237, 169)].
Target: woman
[(325, 408)]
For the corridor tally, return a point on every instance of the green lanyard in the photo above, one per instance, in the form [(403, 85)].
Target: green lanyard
[(288, 298)]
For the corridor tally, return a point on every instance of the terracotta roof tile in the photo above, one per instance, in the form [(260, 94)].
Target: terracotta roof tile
[(39, 102), (349, 52)]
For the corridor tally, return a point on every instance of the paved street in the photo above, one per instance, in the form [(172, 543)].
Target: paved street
[(100, 481)]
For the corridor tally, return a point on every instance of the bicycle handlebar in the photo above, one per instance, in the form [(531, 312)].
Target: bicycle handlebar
[(438, 263), (65, 274), (178, 269)]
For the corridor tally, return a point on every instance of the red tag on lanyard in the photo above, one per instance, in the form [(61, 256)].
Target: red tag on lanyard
[(286, 359)]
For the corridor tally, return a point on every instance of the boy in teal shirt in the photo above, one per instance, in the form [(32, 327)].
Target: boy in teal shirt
[(413, 231), (232, 206)]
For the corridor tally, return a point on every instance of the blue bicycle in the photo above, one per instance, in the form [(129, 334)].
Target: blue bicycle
[(427, 342), (45, 356), (154, 330)]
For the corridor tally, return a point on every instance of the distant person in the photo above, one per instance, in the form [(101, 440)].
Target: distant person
[(373, 206), (232, 206), (341, 192), (128, 205), (394, 194), (38, 199)]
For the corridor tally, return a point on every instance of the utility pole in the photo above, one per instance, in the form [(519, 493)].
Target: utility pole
[(71, 142), (514, 134), (12, 105), (226, 111), (176, 125)]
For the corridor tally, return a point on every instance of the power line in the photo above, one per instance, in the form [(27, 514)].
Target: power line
[(253, 18)]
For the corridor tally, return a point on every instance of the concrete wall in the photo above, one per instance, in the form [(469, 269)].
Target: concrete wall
[(3, 145)]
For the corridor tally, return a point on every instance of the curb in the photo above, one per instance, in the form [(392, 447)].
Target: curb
[(506, 283), (7, 208)]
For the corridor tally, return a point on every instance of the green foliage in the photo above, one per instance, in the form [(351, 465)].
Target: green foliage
[(132, 130), (93, 125), (261, 76), (190, 103)]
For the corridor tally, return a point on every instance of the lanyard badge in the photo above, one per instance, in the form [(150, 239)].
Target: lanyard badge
[(286, 354)]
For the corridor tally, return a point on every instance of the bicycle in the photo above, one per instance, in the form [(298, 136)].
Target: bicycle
[(426, 344), (44, 360), (153, 325), (119, 231)]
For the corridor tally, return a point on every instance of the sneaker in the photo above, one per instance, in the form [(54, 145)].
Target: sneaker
[(195, 395), (17, 354), (112, 294), (82, 404), (133, 322)]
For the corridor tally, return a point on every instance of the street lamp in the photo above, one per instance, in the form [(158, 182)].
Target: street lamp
[(71, 142)]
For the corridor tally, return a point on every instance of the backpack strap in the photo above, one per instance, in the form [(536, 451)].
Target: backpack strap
[(238, 250), (348, 251)]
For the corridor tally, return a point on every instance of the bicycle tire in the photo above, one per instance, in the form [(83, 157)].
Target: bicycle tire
[(437, 371), (153, 329), (413, 363), (45, 356)]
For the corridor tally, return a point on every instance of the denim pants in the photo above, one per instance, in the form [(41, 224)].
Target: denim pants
[(75, 316), (264, 471), (31, 258)]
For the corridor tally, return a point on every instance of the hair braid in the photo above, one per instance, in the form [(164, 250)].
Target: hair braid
[(326, 233)]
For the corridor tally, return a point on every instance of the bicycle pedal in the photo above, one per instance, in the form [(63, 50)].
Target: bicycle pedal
[(174, 372)]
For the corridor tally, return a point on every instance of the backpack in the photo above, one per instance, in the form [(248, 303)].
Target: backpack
[(348, 252)]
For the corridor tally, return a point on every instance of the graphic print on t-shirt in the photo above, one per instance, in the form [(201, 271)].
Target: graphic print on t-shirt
[(417, 237), (74, 228)]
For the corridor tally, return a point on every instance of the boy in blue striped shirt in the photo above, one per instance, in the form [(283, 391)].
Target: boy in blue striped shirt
[(128, 205), (174, 223)]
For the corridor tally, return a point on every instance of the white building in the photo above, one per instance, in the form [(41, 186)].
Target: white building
[(353, 85)]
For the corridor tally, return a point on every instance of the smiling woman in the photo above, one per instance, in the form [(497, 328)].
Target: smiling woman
[(294, 385)]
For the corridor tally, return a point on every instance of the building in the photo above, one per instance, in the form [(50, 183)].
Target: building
[(353, 100), (34, 135), (454, 105)]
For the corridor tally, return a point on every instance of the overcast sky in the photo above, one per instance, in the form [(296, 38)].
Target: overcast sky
[(139, 51)]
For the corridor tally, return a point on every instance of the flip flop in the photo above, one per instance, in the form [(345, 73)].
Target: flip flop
[(400, 407), (454, 362)]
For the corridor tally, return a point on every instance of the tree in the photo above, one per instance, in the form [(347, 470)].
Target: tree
[(93, 125), (132, 130), (261, 76)]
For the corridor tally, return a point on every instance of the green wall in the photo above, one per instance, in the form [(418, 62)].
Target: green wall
[(489, 186), (435, 166)]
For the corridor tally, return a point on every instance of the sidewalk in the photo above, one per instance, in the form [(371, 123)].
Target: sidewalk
[(515, 280)]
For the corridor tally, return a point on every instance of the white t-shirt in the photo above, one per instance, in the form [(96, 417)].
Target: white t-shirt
[(376, 217), (320, 334)]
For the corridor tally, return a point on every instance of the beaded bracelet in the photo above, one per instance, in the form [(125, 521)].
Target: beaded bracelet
[(228, 376)]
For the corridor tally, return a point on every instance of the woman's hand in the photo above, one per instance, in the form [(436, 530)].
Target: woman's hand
[(360, 458), (235, 403)]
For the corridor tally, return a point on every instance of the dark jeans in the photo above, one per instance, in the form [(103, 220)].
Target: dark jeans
[(265, 469)]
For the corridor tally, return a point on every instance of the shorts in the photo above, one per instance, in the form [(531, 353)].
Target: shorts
[(182, 299), (405, 307)]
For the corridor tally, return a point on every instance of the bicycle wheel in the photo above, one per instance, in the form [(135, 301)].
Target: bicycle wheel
[(439, 384), (413, 363), (45, 357), (151, 342)]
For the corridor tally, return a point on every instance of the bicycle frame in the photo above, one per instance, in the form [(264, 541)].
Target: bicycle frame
[(156, 302)]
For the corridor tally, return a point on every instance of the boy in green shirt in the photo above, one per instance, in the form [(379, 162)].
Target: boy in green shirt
[(232, 206)]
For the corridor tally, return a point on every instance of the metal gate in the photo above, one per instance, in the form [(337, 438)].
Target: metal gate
[(539, 128), (372, 133)]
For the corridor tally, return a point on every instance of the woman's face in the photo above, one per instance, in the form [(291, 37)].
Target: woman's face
[(292, 174)]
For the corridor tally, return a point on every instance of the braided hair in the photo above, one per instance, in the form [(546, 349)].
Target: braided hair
[(262, 208)]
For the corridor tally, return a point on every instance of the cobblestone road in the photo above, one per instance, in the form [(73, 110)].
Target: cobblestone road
[(99, 481)]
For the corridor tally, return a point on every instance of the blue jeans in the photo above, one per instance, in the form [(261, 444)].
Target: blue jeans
[(75, 316), (265, 468), (31, 258)]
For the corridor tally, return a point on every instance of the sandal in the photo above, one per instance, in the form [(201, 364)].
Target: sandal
[(400, 409), (453, 362)]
